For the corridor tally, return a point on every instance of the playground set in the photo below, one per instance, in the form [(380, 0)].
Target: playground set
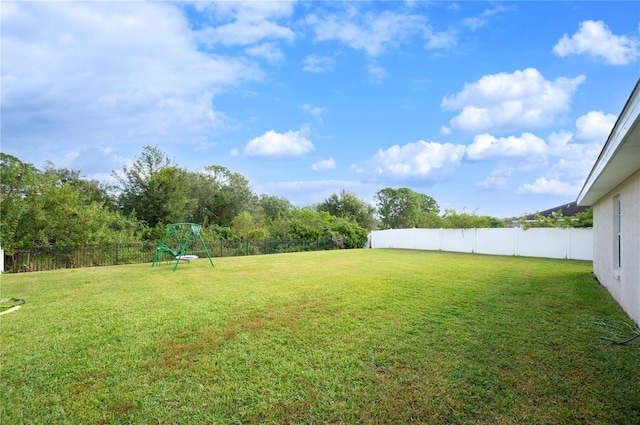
[(182, 234)]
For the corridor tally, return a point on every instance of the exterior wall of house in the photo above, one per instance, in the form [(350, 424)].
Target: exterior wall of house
[(623, 282)]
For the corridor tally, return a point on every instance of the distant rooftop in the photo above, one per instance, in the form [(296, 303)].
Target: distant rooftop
[(568, 209)]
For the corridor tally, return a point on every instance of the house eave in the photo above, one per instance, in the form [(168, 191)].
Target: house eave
[(620, 156)]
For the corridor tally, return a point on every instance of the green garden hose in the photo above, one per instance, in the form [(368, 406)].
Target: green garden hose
[(620, 337)]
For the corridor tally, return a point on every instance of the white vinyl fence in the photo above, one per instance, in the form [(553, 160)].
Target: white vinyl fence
[(569, 243)]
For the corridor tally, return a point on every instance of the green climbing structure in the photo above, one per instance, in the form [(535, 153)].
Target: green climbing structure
[(181, 234)]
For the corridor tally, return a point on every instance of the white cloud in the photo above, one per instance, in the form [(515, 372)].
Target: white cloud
[(554, 187), (108, 73), (573, 164), (269, 51), (271, 144), (595, 125), (445, 130), (595, 39), (247, 22), (317, 64), (574, 169), (494, 183), (372, 33), (571, 157), (324, 164), (95, 160), (245, 33), (473, 22), (316, 111), (449, 38), (429, 161), (503, 101), (377, 74), (476, 22), (441, 40), (575, 159), (486, 146)]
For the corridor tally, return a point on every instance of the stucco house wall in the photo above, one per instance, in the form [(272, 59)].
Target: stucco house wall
[(613, 189), (622, 282)]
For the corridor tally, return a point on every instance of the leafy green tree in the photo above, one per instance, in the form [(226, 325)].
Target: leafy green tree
[(558, 219), (345, 233), (91, 190), (348, 205), (221, 195), (54, 207), (310, 225), (583, 219), (17, 182), (155, 190), (427, 204), (464, 220), (43, 201), (246, 228), (403, 207), (275, 206), (429, 220)]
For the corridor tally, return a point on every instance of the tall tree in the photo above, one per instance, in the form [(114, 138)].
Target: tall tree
[(155, 190), (348, 205), (53, 207), (403, 207), (91, 190), (221, 195), (310, 225), (275, 206), (17, 183)]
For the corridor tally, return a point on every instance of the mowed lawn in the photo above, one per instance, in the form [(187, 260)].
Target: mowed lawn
[(356, 336)]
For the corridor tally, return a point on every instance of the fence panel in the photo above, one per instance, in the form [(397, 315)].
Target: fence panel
[(458, 240), (581, 244), (496, 241), (50, 258), (541, 242), (551, 242), (429, 239)]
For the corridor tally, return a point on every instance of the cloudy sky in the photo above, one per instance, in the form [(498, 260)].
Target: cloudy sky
[(499, 107)]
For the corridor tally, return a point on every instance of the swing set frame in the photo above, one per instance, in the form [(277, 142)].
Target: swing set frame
[(177, 230)]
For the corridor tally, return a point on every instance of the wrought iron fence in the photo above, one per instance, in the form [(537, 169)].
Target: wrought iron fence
[(51, 258)]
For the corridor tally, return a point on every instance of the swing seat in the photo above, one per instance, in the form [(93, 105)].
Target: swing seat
[(178, 230), (187, 258)]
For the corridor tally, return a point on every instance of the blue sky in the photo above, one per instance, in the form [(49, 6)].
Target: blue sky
[(495, 107)]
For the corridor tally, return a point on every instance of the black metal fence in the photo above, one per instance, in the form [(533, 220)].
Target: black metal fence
[(51, 258)]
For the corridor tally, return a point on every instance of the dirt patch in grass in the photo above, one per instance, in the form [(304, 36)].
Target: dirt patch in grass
[(119, 412), (183, 349)]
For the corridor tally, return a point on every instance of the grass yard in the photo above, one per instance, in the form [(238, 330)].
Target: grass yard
[(357, 336)]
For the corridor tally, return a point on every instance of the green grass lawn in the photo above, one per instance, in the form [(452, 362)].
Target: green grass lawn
[(357, 336)]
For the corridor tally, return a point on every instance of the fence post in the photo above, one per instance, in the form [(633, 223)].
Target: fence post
[(116, 253), (66, 256)]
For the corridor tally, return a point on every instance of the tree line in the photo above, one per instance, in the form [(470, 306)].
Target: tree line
[(57, 207)]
